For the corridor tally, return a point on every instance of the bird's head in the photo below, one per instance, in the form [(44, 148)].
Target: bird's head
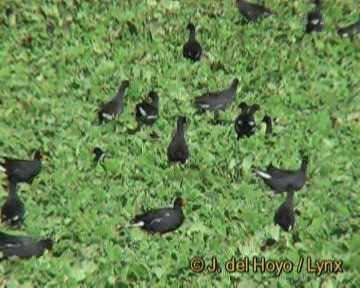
[(47, 243), (179, 202), (39, 155), (190, 27)]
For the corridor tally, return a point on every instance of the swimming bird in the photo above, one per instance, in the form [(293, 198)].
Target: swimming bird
[(18, 171), (161, 221), (13, 210), (99, 155), (285, 214), (218, 100), (178, 150), (314, 21), (281, 180), (114, 107), (192, 49), (23, 247), (350, 30), (253, 12), (245, 124), (148, 112)]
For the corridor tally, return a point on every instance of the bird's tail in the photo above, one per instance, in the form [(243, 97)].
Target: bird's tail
[(135, 224)]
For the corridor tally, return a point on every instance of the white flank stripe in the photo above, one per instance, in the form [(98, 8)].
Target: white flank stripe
[(2, 169), (152, 117), (142, 111), (138, 224), (315, 21), (263, 174), (204, 105), (251, 123), (15, 218)]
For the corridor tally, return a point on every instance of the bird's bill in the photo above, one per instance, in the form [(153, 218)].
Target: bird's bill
[(183, 203), (42, 156)]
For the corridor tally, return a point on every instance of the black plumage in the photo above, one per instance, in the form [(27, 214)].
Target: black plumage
[(350, 30), (162, 220), (253, 12), (280, 180), (13, 210), (267, 120), (314, 21), (114, 107), (192, 49), (215, 101), (99, 155), (23, 246), (18, 171), (285, 214), (148, 112), (178, 150), (245, 124)]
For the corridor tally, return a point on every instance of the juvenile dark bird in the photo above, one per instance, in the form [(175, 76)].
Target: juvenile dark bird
[(285, 214), (18, 171), (99, 155), (253, 12), (245, 124), (218, 100), (13, 210), (314, 21), (178, 150), (280, 180), (148, 112), (267, 120), (192, 49), (114, 107), (162, 220), (350, 30), (23, 247)]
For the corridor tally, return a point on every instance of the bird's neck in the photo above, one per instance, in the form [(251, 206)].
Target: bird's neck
[(192, 35), (289, 198), (120, 92), (268, 127), (180, 129)]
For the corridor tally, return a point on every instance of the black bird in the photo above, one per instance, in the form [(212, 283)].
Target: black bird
[(162, 220), (148, 112), (285, 214), (315, 21), (192, 49), (114, 107), (350, 30), (280, 180), (99, 155), (18, 171), (268, 122), (23, 247), (245, 124), (13, 210), (215, 101), (252, 11), (178, 150)]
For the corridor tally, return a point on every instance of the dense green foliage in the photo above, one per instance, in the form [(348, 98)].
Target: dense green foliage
[(56, 70)]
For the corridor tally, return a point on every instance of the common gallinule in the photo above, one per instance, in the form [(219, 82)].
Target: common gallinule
[(245, 124), (192, 49), (314, 21), (285, 214), (178, 150), (215, 101), (18, 171), (114, 107), (13, 210), (267, 120), (280, 180), (350, 30), (253, 12), (162, 220), (99, 155), (148, 112), (22, 246)]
